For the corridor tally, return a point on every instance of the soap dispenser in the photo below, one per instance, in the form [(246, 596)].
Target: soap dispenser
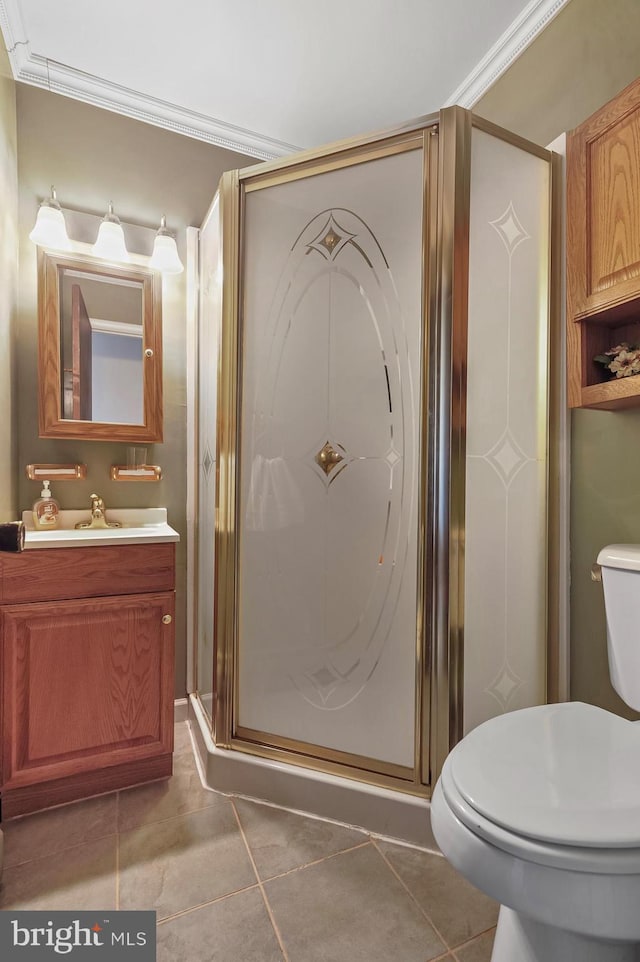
[(46, 510)]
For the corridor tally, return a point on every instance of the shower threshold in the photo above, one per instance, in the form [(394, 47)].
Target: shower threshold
[(384, 812)]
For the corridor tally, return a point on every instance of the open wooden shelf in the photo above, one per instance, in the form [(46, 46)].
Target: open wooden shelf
[(623, 392)]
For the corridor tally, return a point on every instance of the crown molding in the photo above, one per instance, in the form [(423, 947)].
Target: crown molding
[(525, 28), (31, 68)]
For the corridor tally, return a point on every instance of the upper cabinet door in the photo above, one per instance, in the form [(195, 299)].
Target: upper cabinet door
[(603, 207)]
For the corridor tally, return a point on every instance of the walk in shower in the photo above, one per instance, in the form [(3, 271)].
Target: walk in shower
[(373, 383)]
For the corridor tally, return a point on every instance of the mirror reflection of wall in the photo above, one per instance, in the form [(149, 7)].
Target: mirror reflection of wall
[(101, 348)]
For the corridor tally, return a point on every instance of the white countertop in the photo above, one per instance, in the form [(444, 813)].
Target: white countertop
[(139, 526)]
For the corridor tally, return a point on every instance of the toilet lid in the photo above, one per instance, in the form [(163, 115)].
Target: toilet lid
[(567, 774)]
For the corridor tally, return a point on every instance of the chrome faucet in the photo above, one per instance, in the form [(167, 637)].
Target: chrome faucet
[(98, 516)]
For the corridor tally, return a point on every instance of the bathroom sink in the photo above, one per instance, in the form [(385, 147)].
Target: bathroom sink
[(139, 526)]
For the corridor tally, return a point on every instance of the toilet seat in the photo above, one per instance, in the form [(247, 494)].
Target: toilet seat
[(558, 785), (600, 861)]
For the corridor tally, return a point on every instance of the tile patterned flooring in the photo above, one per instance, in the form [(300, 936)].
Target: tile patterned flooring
[(235, 881)]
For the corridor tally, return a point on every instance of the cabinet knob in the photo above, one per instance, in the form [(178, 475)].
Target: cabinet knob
[(166, 619)]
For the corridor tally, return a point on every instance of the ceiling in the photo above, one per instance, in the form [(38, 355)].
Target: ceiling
[(266, 77)]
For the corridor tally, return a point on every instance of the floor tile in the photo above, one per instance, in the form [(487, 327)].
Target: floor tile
[(181, 793), (479, 950), (350, 908), (83, 877), (281, 841), (182, 862), (185, 764), (236, 929), (181, 738), (458, 909), (45, 833)]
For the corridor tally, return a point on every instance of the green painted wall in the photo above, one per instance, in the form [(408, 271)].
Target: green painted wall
[(94, 156), (8, 289), (584, 58)]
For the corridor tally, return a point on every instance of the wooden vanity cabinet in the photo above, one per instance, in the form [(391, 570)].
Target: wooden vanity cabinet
[(87, 671), (603, 249)]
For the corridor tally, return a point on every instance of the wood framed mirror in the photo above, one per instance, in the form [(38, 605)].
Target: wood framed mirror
[(99, 350)]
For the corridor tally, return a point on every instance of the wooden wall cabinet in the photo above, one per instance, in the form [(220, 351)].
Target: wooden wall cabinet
[(603, 249), (87, 672)]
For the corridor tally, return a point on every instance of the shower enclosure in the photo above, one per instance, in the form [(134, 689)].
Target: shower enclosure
[(373, 494)]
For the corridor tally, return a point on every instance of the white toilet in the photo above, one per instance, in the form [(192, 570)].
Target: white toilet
[(540, 808)]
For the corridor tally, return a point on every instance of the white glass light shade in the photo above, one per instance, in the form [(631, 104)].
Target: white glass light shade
[(165, 255), (50, 229), (110, 241), (165, 252)]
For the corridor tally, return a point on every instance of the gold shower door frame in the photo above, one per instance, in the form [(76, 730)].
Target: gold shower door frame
[(445, 141), (233, 188)]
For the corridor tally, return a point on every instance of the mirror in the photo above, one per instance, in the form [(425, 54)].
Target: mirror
[(100, 350)]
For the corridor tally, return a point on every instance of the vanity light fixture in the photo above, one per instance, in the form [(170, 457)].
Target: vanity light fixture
[(50, 229), (110, 242), (165, 252)]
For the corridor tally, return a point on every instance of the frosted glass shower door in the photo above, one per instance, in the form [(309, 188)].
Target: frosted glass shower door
[(330, 437)]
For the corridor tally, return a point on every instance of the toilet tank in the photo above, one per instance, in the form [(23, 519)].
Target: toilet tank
[(620, 565)]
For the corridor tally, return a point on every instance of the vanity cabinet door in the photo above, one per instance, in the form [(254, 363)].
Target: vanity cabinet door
[(87, 688)]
